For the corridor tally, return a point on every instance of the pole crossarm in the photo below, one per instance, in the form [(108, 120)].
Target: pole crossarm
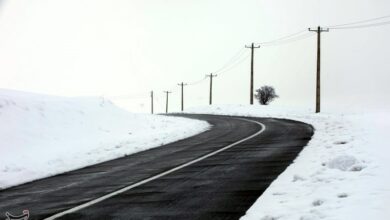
[(319, 29), (252, 46)]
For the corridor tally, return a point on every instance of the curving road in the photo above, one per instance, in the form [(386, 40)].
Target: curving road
[(217, 174)]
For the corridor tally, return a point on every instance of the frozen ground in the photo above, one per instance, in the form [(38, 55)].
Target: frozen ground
[(342, 174), (43, 135)]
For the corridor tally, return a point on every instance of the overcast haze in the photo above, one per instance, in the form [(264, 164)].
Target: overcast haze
[(125, 48)]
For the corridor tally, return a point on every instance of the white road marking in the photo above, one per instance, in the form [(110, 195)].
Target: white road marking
[(92, 202)]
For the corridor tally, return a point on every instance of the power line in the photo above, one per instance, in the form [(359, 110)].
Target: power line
[(361, 26), (240, 56), (283, 38), (172, 88), (352, 25), (302, 37), (359, 22), (236, 64), (235, 57), (196, 82)]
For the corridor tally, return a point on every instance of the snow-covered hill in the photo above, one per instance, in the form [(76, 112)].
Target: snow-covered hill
[(343, 173), (44, 135)]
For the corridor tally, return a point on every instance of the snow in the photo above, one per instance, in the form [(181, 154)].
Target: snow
[(341, 174), (41, 135), (344, 163)]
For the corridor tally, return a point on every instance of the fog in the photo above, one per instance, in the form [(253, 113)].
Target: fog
[(123, 49)]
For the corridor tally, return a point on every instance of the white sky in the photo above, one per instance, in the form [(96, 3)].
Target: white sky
[(129, 47)]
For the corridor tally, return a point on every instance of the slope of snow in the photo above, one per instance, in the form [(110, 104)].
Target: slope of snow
[(341, 174), (43, 135)]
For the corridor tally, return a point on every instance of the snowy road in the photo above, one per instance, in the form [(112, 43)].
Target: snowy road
[(222, 186)]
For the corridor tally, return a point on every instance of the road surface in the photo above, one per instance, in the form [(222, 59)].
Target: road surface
[(217, 174)]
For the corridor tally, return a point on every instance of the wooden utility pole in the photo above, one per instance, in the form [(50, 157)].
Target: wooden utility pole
[(318, 81), (182, 94), (166, 104), (252, 47), (151, 99), (211, 87)]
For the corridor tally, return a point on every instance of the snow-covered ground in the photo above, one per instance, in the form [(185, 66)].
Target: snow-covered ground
[(44, 135), (342, 174)]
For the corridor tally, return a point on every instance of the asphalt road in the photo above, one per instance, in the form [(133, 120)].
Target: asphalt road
[(222, 186)]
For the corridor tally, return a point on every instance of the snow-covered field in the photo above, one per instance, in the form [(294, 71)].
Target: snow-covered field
[(342, 174), (43, 135)]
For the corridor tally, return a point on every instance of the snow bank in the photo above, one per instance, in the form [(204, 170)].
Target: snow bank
[(43, 135), (341, 174)]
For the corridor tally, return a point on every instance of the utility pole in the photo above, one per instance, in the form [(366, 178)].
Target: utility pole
[(211, 87), (252, 47), (318, 83), (182, 94), (151, 99), (166, 104)]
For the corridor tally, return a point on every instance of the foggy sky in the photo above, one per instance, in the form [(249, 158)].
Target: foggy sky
[(125, 48)]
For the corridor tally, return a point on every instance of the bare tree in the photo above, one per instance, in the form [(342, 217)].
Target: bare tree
[(265, 95)]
